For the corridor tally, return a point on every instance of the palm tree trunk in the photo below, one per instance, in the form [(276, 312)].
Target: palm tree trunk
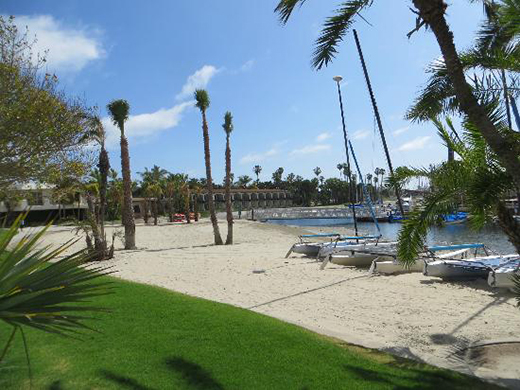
[(209, 181), (229, 210), (432, 12), (154, 211), (187, 207), (104, 167), (196, 207), (127, 212)]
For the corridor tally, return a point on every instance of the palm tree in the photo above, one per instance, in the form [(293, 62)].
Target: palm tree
[(119, 110), (243, 181), (478, 178), (277, 177), (340, 169), (153, 185), (202, 103), (98, 231), (228, 128), (317, 171), (429, 13), (257, 169), (197, 190)]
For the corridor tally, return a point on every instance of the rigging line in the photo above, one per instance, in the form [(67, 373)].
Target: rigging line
[(367, 195)]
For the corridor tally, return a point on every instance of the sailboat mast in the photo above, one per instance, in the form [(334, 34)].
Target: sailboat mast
[(352, 202), (378, 120)]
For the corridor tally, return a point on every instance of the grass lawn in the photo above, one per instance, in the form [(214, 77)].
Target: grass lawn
[(157, 339)]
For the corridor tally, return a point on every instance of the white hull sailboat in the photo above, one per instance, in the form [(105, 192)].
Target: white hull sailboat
[(393, 266), (503, 276), (312, 249), (479, 267)]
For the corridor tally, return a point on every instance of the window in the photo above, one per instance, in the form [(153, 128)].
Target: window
[(35, 198)]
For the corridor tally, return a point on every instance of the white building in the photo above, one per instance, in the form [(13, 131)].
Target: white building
[(42, 203)]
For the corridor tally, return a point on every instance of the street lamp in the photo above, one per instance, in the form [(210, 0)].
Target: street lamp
[(338, 80)]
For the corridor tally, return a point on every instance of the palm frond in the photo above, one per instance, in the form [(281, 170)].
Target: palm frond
[(412, 236), (334, 30), (285, 8)]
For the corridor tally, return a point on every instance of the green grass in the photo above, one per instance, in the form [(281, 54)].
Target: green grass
[(157, 339)]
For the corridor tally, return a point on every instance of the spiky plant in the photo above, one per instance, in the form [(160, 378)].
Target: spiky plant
[(44, 288), (119, 111), (202, 103), (228, 128)]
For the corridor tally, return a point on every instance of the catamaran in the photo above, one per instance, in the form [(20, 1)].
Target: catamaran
[(475, 267), (431, 254), (503, 275), (312, 249)]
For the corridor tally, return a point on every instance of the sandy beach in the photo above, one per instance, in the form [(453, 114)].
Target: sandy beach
[(409, 315)]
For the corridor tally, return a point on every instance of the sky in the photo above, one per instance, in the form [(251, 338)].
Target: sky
[(156, 53)]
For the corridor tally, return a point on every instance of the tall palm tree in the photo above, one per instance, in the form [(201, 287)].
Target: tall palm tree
[(317, 171), (429, 13), (257, 169), (119, 110), (228, 128), (202, 103), (100, 241)]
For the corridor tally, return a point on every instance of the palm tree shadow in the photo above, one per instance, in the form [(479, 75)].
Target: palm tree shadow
[(422, 380), (124, 382), (196, 376)]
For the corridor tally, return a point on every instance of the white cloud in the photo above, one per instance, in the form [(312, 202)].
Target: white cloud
[(323, 136), (247, 66), (258, 157), (69, 49), (146, 125), (360, 134), (197, 80), (401, 131), (310, 149), (415, 144)]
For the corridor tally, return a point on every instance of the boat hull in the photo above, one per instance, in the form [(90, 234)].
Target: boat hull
[(392, 267), (455, 269), (354, 259), (307, 249)]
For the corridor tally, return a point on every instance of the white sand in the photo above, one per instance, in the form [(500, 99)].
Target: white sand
[(409, 315)]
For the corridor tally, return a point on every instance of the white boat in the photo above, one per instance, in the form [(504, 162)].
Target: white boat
[(393, 266), (365, 245), (478, 267), (502, 276), (359, 255), (312, 249), (355, 259)]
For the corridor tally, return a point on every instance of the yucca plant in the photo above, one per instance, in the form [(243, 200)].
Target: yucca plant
[(43, 288)]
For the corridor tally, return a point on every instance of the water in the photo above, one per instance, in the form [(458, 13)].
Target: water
[(491, 235)]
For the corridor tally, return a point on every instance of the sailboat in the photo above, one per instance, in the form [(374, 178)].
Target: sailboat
[(503, 275), (313, 248), (431, 254)]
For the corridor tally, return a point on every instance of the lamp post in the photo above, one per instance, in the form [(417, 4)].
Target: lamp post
[(338, 80)]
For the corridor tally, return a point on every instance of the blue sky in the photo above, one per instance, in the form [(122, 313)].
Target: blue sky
[(154, 53)]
